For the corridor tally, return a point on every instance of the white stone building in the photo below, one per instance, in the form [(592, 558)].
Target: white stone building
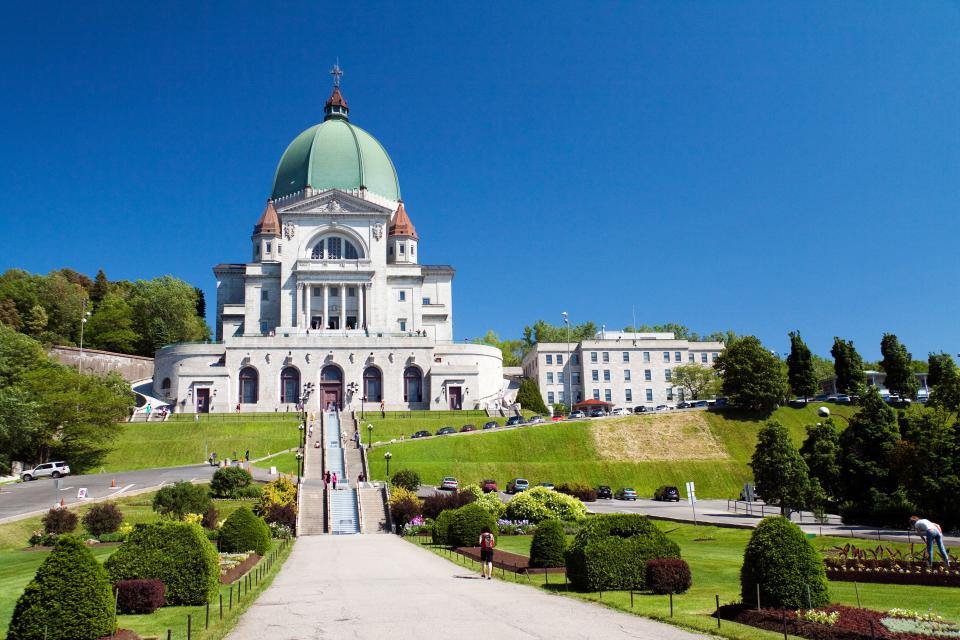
[(333, 295), (624, 369)]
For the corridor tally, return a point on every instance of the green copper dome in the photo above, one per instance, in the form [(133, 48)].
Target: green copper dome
[(336, 155)]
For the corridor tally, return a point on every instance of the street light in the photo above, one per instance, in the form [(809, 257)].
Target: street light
[(369, 435), (299, 465), (362, 400), (568, 378), (387, 457), (84, 314)]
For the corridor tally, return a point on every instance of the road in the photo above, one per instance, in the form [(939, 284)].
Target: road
[(379, 586)]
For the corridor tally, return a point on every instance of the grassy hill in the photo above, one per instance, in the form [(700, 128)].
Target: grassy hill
[(711, 448)]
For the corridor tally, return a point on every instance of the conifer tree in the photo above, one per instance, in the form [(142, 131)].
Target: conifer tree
[(800, 371), (896, 363), (848, 366)]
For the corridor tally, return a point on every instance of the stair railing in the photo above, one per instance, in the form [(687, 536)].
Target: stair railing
[(386, 506), (328, 510), (359, 510)]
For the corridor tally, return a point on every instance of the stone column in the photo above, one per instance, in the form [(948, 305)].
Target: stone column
[(309, 304), (326, 306), (361, 304), (297, 306), (343, 307)]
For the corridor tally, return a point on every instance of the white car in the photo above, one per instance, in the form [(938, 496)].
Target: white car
[(619, 411), (52, 469)]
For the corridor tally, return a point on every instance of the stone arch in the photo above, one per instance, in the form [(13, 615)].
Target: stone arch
[(290, 385), (373, 384), (248, 386), (413, 384)]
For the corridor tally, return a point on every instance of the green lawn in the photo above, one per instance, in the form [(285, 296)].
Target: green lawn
[(565, 452), (181, 442), (403, 424), (284, 462), (715, 555)]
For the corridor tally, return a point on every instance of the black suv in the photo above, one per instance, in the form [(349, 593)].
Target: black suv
[(421, 434), (445, 431), (667, 494), (603, 491), (490, 425), (514, 420)]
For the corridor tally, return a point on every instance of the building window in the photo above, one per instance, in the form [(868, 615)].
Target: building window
[(351, 292), (334, 292), (425, 301), (334, 248), (559, 359), (646, 356), (607, 395), (606, 375), (593, 356), (550, 398), (628, 395), (714, 356), (579, 397), (575, 359), (677, 356), (626, 375), (690, 357), (403, 325), (575, 377), (647, 375), (561, 378), (268, 247), (595, 375), (560, 396), (317, 291), (279, 249), (703, 357), (626, 356), (290, 385), (401, 248), (248, 385), (372, 384), (669, 393), (403, 296), (606, 356), (667, 375), (649, 395), (412, 384), (666, 356), (549, 359), (549, 377), (264, 294), (596, 394)]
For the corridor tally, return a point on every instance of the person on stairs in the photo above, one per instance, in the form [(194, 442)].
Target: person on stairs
[(333, 480)]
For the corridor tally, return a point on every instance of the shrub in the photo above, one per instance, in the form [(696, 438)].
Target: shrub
[(280, 531), (279, 491), (211, 517), (611, 551), (244, 531), (285, 514), (404, 507), (254, 491), (668, 575), (116, 536), (434, 505), (441, 526), (102, 518), (489, 501), (782, 561), (139, 596), (407, 479), (177, 553), (549, 544), (59, 520), (466, 524), (181, 498), (541, 503), (228, 481), (582, 492), (69, 598)]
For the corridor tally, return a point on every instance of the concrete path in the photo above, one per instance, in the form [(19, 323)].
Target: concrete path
[(341, 587)]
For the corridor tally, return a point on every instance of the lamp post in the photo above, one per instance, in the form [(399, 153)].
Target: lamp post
[(387, 457), (84, 314), (369, 435), (363, 399), (299, 465), (568, 379)]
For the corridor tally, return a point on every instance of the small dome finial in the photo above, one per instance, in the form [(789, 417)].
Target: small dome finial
[(336, 72), (336, 105)]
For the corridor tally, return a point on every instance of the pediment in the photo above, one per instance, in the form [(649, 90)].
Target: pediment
[(333, 201)]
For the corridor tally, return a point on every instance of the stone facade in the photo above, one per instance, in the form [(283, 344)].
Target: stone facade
[(132, 368)]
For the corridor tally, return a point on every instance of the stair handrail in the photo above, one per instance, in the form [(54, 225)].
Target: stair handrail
[(359, 510), (363, 463), (386, 507)]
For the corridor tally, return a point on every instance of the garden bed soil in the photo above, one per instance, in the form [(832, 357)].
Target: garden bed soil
[(122, 634), (854, 624), (234, 574), (508, 561), (911, 573)]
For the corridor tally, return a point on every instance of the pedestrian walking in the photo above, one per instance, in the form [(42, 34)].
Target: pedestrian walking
[(383, 414), (326, 479), (333, 480), (487, 543), (931, 533), (247, 456), (310, 430)]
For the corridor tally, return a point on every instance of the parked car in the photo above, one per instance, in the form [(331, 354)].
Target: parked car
[(597, 413), (490, 425), (619, 411), (603, 491), (467, 428), (844, 399), (421, 434), (641, 409), (666, 493), (489, 486), (449, 483), (517, 485), (798, 403), (558, 417), (626, 493), (661, 407), (445, 431), (701, 404), (513, 421), (576, 415), (51, 469), (684, 405), (820, 398), (721, 402), (535, 420), (547, 485)]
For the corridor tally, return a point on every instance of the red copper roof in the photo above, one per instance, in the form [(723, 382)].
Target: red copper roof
[(269, 221), (336, 99), (401, 225)]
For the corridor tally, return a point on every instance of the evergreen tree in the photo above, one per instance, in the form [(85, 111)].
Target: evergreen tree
[(866, 452), (751, 375), (9, 315), (897, 363), (848, 366), (36, 322), (821, 452), (780, 474), (800, 371), (201, 303), (529, 397), (100, 288)]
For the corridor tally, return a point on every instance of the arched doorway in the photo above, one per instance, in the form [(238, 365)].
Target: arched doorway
[(249, 381), (412, 384), (290, 385), (331, 386), (372, 384)]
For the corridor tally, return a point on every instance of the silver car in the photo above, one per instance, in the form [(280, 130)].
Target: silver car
[(52, 469)]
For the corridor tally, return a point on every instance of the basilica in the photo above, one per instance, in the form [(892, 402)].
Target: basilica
[(334, 299)]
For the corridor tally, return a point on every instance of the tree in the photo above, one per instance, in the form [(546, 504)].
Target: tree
[(939, 365), (848, 366), (822, 368), (821, 452), (800, 371), (779, 471), (18, 355), (928, 463), (512, 350), (100, 288), (164, 311), (36, 320), (544, 332), (897, 363), (201, 303), (9, 314), (178, 499), (20, 426), (529, 396), (866, 449), (944, 380), (696, 380), (751, 376), (111, 326)]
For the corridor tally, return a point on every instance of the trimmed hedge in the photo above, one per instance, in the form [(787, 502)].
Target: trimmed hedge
[(102, 518), (139, 596), (582, 492), (668, 575), (69, 598), (439, 502), (466, 525), (244, 531), (549, 545), (611, 551), (228, 481), (176, 553), (59, 520), (178, 499), (541, 503), (782, 561), (406, 478), (441, 526)]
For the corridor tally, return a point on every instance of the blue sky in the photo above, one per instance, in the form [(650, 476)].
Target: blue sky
[(760, 167)]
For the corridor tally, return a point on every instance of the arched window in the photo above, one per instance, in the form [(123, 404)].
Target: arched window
[(248, 385), (290, 385), (165, 384), (331, 373), (373, 384), (335, 248), (412, 384)]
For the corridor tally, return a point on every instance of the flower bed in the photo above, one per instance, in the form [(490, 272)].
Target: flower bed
[(892, 571), (515, 527), (234, 565)]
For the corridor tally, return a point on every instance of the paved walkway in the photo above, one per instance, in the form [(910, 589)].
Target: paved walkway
[(343, 587)]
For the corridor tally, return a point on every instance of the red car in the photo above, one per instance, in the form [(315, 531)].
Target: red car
[(489, 486)]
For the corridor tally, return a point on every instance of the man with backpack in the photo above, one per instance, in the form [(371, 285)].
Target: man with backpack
[(487, 543)]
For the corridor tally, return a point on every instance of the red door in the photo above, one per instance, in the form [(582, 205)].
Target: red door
[(329, 395)]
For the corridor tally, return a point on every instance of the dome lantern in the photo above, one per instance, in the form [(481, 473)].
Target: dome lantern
[(336, 105)]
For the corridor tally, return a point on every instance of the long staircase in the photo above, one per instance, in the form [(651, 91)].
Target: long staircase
[(344, 510), (311, 489)]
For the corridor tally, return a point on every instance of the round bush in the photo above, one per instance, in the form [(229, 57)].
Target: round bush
[(610, 552), (244, 531), (228, 481), (441, 526), (549, 545), (668, 575), (177, 553), (279, 491), (59, 520), (181, 498), (69, 598), (541, 503), (102, 518), (406, 478), (782, 561), (466, 525), (139, 596)]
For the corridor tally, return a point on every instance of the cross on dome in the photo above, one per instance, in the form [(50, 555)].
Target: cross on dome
[(336, 106), (336, 72)]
